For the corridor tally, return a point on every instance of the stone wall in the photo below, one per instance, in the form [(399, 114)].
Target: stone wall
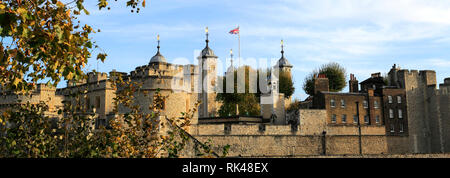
[(294, 145), (262, 140)]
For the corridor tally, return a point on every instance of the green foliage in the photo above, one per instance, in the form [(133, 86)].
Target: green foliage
[(335, 73), (41, 39), (248, 102), (28, 133), (286, 85)]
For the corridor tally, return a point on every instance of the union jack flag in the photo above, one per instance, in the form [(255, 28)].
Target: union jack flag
[(234, 31)]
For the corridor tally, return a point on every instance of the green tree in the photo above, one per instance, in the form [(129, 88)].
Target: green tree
[(42, 39), (248, 102), (286, 85), (335, 73)]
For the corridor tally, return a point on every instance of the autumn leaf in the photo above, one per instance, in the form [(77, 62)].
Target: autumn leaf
[(101, 56)]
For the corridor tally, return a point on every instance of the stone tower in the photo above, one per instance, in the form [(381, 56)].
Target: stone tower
[(284, 66), (207, 63)]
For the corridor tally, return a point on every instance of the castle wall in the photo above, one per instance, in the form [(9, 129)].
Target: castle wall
[(415, 85), (398, 144), (441, 117), (257, 140), (312, 122), (294, 145), (41, 93)]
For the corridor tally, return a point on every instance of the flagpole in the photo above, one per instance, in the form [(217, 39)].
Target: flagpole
[(239, 39)]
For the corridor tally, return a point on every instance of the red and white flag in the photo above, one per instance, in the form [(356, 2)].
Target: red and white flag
[(234, 31)]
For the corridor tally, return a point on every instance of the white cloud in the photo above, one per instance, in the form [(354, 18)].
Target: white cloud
[(438, 62)]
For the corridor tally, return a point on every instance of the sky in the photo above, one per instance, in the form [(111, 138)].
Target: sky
[(364, 36)]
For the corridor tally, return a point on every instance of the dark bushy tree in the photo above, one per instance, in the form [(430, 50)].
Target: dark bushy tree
[(286, 85), (335, 73)]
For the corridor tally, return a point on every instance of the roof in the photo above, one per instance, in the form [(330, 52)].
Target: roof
[(208, 52), (373, 80), (283, 62), (158, 58), (338, 93)]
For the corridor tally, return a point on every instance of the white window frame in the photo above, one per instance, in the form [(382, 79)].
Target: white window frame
[(401, 128), (365, 104), (355, 119), (376, 104), (342, 103), (390, 99), (344, 118), (333, 118), (400, 114), (391, 113), (399, 99), (366, 119), (392, 128), (377, 119), (332, 103)]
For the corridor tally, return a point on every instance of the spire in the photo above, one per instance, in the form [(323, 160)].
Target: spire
[(207, 34), (207, 52), (158, 58), (283, 62), (157, 38)]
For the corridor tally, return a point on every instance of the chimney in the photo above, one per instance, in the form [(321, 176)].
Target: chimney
[(353, 84), (321, 83), (374, 75)]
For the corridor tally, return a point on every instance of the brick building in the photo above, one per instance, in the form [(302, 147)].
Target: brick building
[(375, 104)]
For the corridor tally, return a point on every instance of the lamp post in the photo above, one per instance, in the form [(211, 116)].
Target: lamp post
[(359, 128)]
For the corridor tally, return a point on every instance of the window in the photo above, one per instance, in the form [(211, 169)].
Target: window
[(355, 119), (366, 119), (374, 87), (399, 99), (391, 113), (400, 114), (344, 118), (97, 102), (390, 99), (342, 104), (375, 104), (401, 128), (365, 104), (377, 119), (392, 128), (333, 118), (332, 103)]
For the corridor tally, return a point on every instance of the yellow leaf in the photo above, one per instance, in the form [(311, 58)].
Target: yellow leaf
[(21, 10), (16, 81), (143, 3), (69, 76)]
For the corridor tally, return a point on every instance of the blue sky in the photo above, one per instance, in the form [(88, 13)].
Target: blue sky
[(365, 36)]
